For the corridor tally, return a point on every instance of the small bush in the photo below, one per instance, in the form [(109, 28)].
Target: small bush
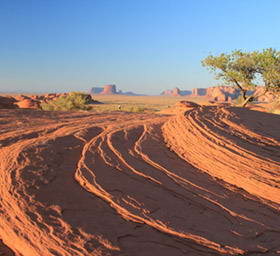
[(137, 109), (240, 100), (72, 101)]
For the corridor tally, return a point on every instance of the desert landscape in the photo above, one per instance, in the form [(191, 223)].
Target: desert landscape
[(139, 128), (202, 181)]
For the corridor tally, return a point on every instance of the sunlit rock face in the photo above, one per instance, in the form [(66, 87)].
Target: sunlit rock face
[(109, 89)]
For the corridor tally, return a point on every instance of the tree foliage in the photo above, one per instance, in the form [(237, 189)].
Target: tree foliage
[(71, 101), (246, 70)]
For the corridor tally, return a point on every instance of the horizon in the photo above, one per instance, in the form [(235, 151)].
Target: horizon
[(139, 46)]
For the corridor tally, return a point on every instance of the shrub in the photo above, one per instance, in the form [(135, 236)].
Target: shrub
[(72, 101), (239, 101), (137, 109)]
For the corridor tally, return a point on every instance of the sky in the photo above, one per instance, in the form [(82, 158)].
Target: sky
[(145, 46)]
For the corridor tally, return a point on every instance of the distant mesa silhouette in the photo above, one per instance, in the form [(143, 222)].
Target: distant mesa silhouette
[(111, 89), (221, 93), (199, 91), (176, 92)]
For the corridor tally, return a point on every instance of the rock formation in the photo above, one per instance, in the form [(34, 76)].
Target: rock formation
[(28, 103), (176, 92), (34, 101), (166, 93), (109, 89), (95, 90), (220, 93), (7, 102), (204, 181), (199, 92)]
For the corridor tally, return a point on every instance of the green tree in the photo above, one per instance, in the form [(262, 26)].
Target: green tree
[(244, 70), (268, 66)]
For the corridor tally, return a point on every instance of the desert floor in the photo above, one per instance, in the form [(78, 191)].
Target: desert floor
[(204, 181)]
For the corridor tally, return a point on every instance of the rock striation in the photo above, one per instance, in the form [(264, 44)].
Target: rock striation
[(202, 182)]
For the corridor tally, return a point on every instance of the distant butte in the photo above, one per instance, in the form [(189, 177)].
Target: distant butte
[(217, 93), (111, 89)]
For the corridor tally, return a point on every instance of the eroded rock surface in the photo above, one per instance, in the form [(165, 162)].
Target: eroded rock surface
[(202, 182)]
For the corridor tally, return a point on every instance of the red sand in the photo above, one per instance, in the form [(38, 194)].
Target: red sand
[(202, 182)]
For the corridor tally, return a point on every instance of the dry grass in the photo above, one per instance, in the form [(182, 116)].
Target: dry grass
[(138, 103)]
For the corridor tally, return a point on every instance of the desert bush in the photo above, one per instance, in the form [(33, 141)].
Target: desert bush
[(239, 101), (137, 109), (71, 101)]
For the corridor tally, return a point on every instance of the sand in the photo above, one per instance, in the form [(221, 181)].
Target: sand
[(204, 181)]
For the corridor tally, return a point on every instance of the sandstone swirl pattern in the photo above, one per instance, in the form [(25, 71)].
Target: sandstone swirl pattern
[(203, 182)]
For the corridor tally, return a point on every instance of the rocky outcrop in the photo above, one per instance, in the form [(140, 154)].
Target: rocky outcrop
[(186, 104), (7, 102), (34, 101), (202, 182), (28, 103)]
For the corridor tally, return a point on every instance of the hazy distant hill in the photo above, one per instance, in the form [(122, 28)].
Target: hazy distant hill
[(111, 89)]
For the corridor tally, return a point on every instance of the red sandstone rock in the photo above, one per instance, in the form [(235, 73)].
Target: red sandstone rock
[(109, 89), (28, 103), (202, 182), (21, 97), (7, 102), (187, 104)]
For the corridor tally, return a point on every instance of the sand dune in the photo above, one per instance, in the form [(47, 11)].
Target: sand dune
[(202, 182)]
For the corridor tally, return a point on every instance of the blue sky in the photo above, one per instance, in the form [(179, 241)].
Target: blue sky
[(144, 46)]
